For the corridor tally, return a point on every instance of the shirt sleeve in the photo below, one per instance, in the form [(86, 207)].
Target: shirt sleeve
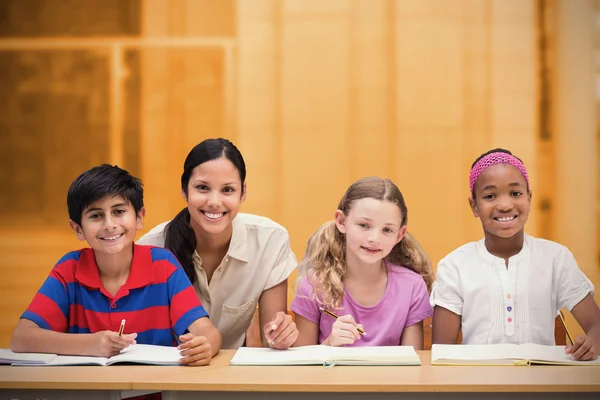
[(572, 283), (185, 307), (305, 303), (419, 305), (155, 237), (49, 309), (446, 291), (285, 261)]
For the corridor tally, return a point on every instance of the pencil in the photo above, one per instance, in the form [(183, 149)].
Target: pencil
[(336, 317), (562, 320), (121, 327)]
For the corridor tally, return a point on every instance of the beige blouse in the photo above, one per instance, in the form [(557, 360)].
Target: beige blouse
[(259, 257)]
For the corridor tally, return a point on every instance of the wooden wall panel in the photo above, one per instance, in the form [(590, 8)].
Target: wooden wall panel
[(429, 117), (258, 104), (371, 94), (576, 137), (315, 114), (316, 94)]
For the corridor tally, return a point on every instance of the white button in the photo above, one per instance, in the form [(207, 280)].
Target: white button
[(226, 259)]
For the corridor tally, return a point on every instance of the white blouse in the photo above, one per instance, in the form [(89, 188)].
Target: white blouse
[(517, 304), (259, 257)]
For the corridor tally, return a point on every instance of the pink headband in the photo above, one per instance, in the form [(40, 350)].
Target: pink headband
[(493, 159)]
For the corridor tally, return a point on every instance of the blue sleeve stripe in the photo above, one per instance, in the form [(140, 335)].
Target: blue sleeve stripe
[(177, 282), (55, 291), (36, 318), (188, 318)]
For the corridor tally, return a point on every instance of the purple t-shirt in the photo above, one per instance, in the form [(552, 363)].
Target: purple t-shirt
[(404, 303)]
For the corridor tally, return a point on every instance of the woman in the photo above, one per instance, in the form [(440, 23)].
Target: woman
[(233, 260)]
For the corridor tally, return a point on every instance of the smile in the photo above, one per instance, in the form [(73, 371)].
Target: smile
[(505, 219), (111, 238), (213, 216)]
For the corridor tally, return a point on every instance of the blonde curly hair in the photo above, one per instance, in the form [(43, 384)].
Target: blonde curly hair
[(324, 262)]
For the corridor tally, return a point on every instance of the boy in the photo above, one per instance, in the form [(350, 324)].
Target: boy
[(81, 304)]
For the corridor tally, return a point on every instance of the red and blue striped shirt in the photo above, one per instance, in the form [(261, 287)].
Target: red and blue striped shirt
[(157, 301)]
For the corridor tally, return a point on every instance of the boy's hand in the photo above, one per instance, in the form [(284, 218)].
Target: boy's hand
[(344, 331), (281, 332), (195, 350), (109, 343), (583, 349)]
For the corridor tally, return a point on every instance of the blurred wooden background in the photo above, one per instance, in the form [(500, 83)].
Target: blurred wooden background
[(316, 94)]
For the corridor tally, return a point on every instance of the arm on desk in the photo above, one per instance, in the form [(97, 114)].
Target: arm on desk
[(446, 326), (28, 337), (201, 344), (586, 347)]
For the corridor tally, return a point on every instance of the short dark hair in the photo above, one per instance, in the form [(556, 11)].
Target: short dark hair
[(98, 182)]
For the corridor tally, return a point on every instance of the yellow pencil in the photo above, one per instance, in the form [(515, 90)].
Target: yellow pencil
[(562, 320), (336, 317)]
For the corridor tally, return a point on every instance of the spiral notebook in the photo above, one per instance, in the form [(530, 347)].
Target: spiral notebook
[(502, 354), (327, 355)]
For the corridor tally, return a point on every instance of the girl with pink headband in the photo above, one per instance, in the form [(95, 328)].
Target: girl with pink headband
[(509, 287)]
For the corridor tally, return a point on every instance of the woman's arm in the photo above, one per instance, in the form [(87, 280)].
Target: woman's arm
[(446, 326), (278, 328), (308, 332), (413, 336)]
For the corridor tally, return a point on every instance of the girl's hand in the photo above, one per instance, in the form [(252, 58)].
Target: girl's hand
[(281, 332), (344, 331), (109, 343), (195, 350), (583, 349)]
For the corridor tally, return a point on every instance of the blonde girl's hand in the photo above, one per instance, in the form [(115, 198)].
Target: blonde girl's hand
[(281, 332), (583, 349), (344, 331), (109, 343), (195, 350)]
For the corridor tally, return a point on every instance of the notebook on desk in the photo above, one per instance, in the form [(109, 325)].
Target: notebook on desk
[(502, 354), (327, 355), (136, 354), (8, 357)]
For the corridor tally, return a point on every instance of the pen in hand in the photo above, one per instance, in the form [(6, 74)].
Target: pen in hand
[(336, 317)]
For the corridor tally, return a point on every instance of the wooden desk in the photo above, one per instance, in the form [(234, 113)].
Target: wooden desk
[(425, 382), (222, 381), (84, 382)]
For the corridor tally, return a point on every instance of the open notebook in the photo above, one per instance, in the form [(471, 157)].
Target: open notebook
[(327, 355), (136, 354), (502, 354)]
